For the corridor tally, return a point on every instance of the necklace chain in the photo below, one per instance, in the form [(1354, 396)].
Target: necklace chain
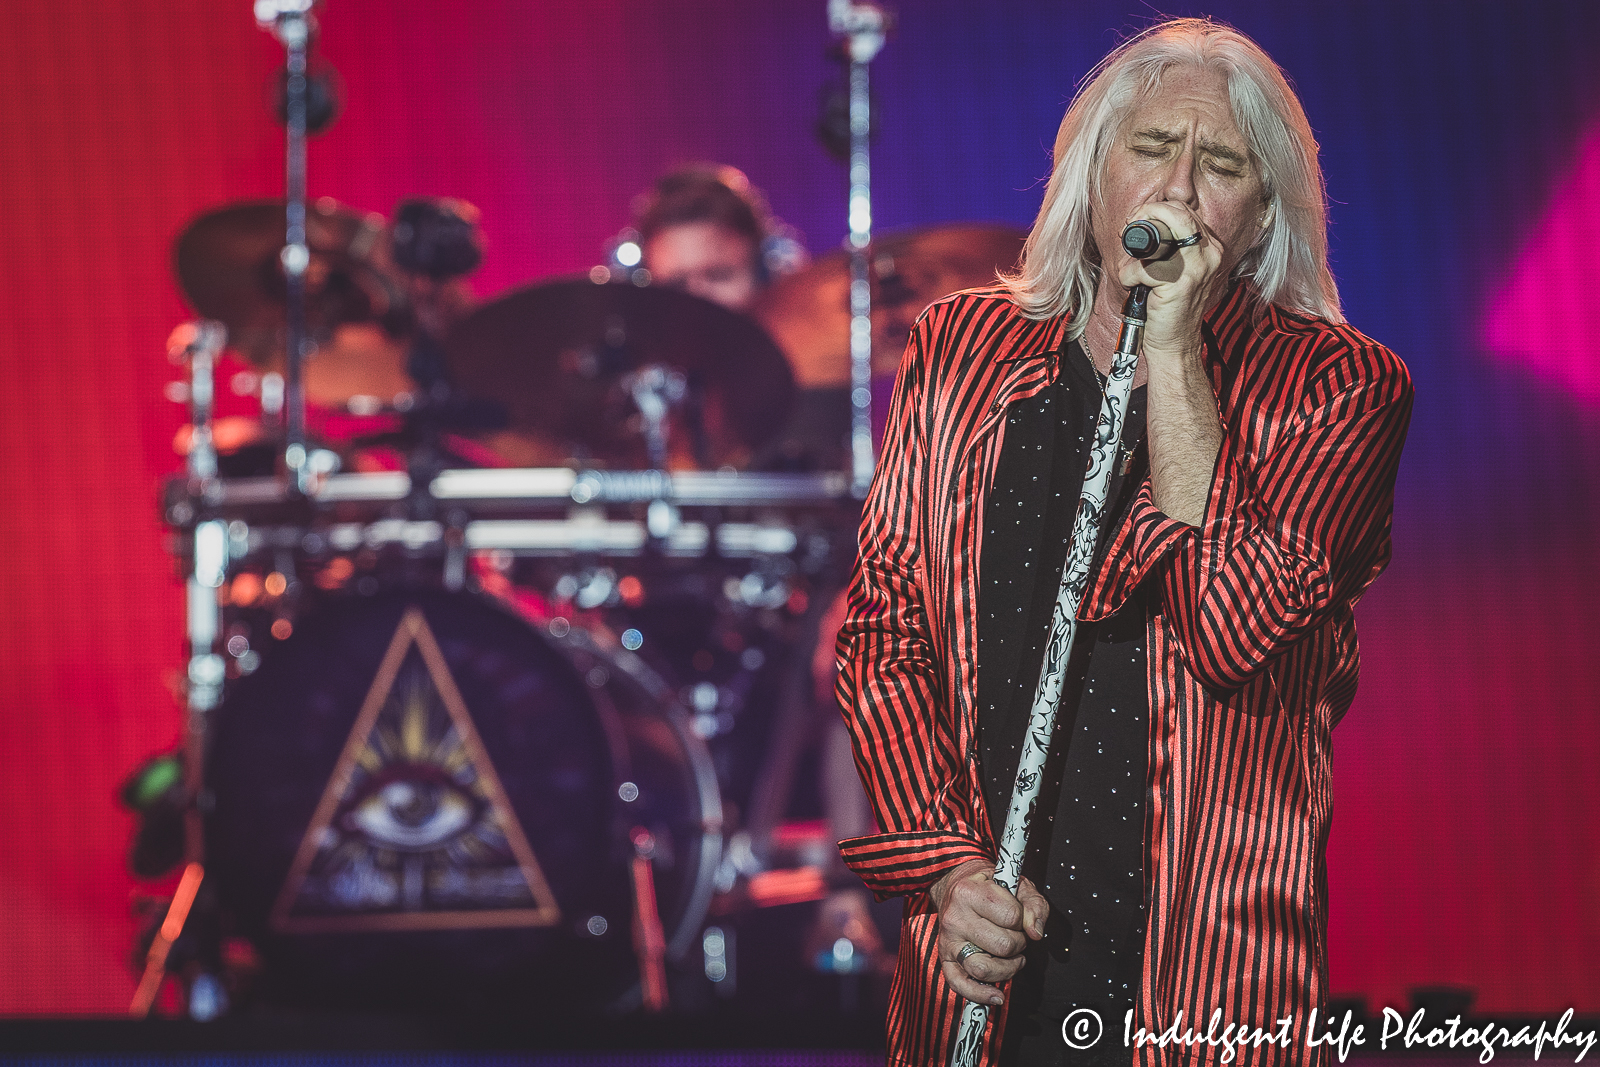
[(1102, 380)]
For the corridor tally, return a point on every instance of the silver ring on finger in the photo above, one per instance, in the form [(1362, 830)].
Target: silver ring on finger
[(967, 949), (1192, 239)]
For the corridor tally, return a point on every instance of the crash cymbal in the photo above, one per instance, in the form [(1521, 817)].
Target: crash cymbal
[(227, 263), (808, 313), (555, 355)]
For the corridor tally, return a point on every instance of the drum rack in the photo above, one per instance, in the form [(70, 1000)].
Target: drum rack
[(293, 527), (537, 511)]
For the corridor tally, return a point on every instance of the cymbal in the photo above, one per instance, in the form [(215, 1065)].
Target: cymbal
[(555, 355), (227, 264), (808, 312)]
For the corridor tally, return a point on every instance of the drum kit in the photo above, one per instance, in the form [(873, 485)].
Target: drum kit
[(488, 686)]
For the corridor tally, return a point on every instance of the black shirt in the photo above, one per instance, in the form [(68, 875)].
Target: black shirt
[(1087, 856)]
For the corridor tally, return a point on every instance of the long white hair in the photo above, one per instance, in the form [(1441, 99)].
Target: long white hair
[(1060, 264)]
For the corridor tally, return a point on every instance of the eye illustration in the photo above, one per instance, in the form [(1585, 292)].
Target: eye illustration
[(414, 831), (411, 808)]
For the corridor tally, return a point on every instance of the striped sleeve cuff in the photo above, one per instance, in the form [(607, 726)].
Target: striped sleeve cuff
[(1154, 533), (907, 861), (1144, 539)]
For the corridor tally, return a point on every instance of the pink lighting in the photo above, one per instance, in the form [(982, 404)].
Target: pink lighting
[(1544, 319)]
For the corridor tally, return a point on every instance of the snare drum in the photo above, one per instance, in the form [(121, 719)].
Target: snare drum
[(419, 799)]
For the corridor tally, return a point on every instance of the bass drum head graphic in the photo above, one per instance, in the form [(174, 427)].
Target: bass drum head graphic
[(421, 800)]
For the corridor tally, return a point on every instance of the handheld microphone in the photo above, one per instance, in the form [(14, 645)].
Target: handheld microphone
[(1152, 241)]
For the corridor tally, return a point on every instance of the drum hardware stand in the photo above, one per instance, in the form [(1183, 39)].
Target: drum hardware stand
[(649, 940), (432, 411), (656, 390), (455, 550), (198, 344), (155, 964), (863, 28), (291, 22)]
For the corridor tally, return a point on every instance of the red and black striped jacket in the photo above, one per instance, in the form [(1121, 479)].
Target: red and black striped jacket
[(1252, 655)]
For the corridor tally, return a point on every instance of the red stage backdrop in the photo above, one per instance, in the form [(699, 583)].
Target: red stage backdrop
[(1465, 843)]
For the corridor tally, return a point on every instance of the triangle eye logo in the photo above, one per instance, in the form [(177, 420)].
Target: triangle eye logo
[(413, 831)]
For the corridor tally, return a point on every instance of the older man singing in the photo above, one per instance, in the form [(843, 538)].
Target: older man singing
[(1177, 852)]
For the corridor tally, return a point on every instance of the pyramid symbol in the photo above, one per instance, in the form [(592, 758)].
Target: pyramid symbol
[(413, 830)]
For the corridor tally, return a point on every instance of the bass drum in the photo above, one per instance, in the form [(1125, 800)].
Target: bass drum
[(420, 801)]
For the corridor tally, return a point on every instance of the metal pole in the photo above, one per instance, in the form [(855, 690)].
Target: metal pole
[(864, 28), (199, 344), (291, 22)]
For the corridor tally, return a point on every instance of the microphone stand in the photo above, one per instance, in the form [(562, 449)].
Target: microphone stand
[(1063, 628), (864, 27), (291, 22)]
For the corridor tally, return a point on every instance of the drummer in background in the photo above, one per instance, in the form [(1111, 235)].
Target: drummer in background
[(705, 229)]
